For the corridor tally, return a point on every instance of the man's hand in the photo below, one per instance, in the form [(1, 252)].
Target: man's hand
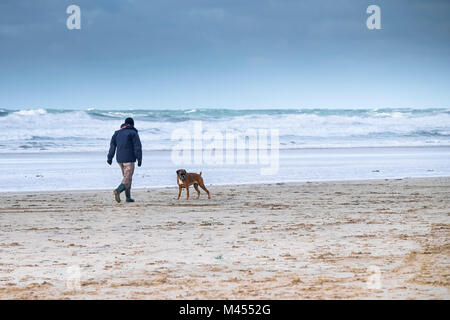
[(109, 161), (139, 163)]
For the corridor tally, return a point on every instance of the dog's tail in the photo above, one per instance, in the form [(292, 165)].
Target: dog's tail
[(200, 173)]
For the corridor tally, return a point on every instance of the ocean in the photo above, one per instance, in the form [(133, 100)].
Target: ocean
[(52, 130), (58, 149)]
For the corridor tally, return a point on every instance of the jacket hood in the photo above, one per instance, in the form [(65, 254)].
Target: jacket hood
[(127, 126)]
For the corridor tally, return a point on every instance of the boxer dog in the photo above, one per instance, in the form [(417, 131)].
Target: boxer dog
[(185, 179)]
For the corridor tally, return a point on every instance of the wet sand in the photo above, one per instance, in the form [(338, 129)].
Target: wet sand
[(322, 240)]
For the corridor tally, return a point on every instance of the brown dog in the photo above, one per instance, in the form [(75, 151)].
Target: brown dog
[(185, 179)]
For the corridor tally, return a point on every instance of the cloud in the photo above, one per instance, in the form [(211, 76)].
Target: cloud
[(168, 42)]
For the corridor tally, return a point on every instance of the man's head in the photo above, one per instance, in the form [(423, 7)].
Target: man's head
[(129, 121)]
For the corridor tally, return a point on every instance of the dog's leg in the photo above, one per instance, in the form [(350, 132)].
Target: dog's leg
[(198, 191), (179, 192), (202, 185), (187, 192)]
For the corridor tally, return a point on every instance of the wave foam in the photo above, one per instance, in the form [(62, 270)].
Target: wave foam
[(68, 130), (31, 112)]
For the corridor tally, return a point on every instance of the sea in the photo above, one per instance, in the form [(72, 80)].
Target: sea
[(44, 149)]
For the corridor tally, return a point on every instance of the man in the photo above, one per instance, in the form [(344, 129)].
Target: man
[(129, 149)]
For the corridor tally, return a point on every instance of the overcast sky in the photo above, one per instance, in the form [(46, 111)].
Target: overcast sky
[(224, 53)]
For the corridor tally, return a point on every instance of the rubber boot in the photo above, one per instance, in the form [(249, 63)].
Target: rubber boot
[(128, 194), (117, 192)]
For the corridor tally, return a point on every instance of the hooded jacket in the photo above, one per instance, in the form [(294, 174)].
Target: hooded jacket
[(128, 145)]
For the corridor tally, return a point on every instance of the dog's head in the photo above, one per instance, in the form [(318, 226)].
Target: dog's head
[(181, 173)]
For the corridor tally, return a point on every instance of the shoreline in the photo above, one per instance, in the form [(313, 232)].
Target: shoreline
[(319, 240), (288, 149), (80, 171), (265, 184)]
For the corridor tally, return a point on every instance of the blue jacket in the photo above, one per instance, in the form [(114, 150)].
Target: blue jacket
[(128, 145)]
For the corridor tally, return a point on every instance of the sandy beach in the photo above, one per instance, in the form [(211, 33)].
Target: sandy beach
[(325, 240)]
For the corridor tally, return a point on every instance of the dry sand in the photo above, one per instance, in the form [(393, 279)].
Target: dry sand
[(281, 241)]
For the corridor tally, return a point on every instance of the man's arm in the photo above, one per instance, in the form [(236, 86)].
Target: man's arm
[(137, 148), (112, 148)]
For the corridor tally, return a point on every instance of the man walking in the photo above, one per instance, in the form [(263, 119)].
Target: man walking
[(129, 149)]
